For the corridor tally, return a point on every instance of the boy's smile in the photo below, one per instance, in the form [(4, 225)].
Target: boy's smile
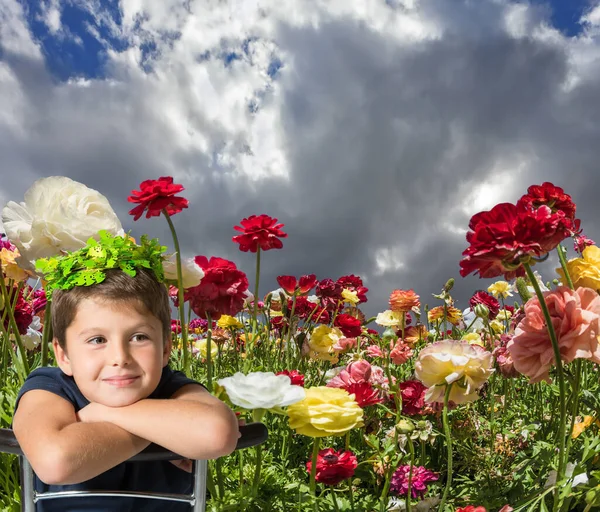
[(114, 351)]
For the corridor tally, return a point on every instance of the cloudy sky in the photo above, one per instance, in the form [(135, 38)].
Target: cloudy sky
[(373, 129)]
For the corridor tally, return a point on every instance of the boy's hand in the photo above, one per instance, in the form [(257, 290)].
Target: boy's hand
[(187, 464), (92, 413)]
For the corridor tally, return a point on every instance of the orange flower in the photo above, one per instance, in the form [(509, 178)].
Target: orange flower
[(403, 301), (414, 333), (436, 315)]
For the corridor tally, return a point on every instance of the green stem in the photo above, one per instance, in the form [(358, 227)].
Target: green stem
[(410, 474), (209, 368), (563, 263), (184, 327), (336, 507), (448, 437), (46, 333), (257, 416), (13, 325), (288, 348), (255, 302), (313, 469), (560, 474)]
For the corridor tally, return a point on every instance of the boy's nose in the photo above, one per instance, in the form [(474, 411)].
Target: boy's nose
[(120, 355)]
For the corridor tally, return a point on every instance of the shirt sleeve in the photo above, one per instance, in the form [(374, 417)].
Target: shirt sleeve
[(42, 379), (170, 382)]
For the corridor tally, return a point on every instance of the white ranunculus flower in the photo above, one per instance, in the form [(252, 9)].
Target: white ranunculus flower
[(191, 273), (261, 390), (389, 318), (57, 214)]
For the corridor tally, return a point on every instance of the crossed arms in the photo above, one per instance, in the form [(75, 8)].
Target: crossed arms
[(65, 447)]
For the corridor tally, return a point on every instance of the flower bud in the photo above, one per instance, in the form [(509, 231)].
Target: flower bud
[(592, 497), (522, 289), (405, 426), (449, 285), (388, 335), (481, 311)]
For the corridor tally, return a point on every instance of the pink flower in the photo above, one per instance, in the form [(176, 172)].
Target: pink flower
[(344, 344), (576, 319), (400, 353), (356, 372), (504, 359), (420, 477), (413, 397), (374, 351)]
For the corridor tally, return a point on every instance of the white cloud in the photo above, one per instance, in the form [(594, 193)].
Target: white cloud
[(385, 127)]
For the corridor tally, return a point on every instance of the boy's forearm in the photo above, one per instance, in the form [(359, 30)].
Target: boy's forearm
[(189, 428), (85, 450)]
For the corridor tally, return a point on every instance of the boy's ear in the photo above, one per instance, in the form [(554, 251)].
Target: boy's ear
[(62, 359), (167, 350)]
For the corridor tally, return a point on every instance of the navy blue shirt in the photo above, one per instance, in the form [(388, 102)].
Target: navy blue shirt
[(154, 476)]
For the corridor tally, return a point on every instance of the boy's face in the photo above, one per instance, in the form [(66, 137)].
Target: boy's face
[(114, 351)]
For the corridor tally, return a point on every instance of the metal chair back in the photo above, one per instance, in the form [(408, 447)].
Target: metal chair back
[(251, 435)]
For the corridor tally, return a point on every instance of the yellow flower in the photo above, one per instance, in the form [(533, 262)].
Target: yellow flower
[(497, 326), (583, 425), (325, 412), (389, 318), (585, 271), (500, 289), (504, 314), (436, 315), (10, 267), (226, 322), (473, 338), (445, 362), (202, 346), (321, 342), (350, 296)]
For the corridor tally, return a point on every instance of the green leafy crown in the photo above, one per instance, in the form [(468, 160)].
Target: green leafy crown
[(87, 266)]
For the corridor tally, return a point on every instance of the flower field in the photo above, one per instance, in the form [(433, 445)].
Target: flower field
[(489, 406)]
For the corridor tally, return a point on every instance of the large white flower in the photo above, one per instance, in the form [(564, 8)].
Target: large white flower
[(261, 390), (191, 273), (389, 318), (58, 214)]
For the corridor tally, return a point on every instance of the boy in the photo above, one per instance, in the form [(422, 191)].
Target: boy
[(113, 392)]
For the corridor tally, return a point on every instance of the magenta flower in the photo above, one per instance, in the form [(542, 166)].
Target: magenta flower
[(420, 477)]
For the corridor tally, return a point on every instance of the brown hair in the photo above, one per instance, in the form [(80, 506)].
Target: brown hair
[(117, 287)]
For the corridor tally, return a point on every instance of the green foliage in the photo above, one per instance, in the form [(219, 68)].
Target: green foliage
[(87, 266)]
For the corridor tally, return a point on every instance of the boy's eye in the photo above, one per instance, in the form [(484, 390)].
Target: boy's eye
[(96, 341), (139, 337)]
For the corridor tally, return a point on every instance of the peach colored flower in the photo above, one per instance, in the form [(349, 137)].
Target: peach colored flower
[(453, 362), (400, 353), (435, 315), (374, 351), (576, 320), (415, 333), (403, 301)]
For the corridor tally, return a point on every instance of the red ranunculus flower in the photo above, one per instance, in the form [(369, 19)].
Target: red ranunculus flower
[(330, 294), (348, 324), (23, 311), (364, 393), (295, 376), (259, 231), (354, 284), (333, 467), (175, 326), (301, 287), (222, 290), (507, 236), (550, 195), (413, 397), (471, 508), (306, 309), (488, 300), (155, 196), (39, 301)]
